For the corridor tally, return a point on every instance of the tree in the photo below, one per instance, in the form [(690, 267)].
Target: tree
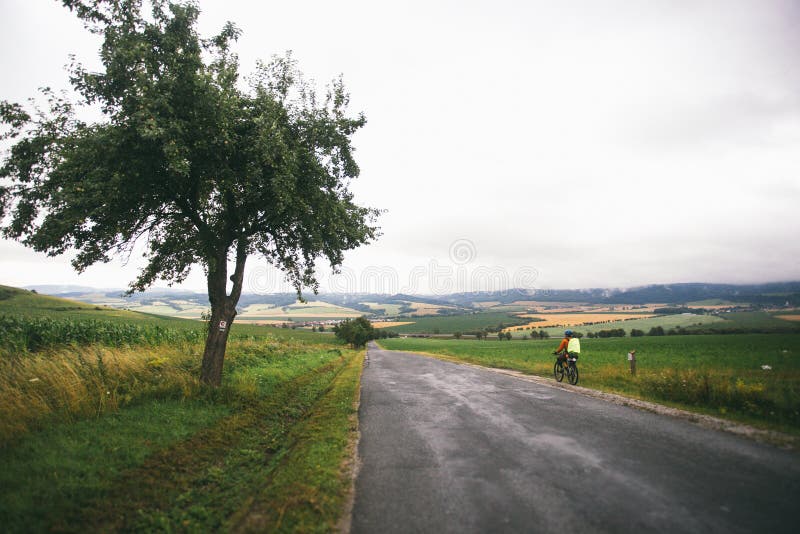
[(457, 335), (187, 161), (656, 331), (356, 332), (501, 336)]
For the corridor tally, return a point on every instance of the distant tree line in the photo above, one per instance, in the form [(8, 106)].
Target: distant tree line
[(677, 310), (614, 332)]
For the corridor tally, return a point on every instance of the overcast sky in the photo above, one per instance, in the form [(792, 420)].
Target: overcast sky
[(532, 143)]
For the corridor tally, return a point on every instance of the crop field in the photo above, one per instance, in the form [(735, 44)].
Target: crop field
[(106, 422), (424, 309), (385, 309), (788, 317), (15, 301), (299, 311), (756, 320), (390, 324), (576, 307), (645, 324), (449, 324), (723, 375), (711, 304), (574, 319)]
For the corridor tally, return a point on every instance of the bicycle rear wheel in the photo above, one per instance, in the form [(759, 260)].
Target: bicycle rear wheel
[(558, 371), (572, 374)]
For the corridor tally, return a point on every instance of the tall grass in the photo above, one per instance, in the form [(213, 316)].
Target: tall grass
[(78, 382), (726, 392)]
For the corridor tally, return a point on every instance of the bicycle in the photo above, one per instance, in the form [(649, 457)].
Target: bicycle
[(571, 369)]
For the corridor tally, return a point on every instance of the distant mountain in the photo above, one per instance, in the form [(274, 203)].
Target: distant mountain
[(777, 293), (773, 294), (63, 289)]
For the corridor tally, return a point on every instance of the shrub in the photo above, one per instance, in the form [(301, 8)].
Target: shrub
[(614, 332), (356, 332)]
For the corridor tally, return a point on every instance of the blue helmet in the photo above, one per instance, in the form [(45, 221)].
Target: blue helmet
[(567, 332)]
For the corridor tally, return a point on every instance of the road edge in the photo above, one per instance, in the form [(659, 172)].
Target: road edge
[(352, 461)]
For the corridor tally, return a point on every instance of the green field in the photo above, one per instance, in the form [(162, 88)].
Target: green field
[(666, 321), (21, 303), (755, 320), (116, 436), (742, 322), (712, 302), (717, 374), (449, 324)]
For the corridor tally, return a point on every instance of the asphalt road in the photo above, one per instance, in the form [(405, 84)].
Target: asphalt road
[(451, 448)]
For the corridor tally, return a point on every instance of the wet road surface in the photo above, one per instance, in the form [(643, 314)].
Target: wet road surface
[(451, 448)]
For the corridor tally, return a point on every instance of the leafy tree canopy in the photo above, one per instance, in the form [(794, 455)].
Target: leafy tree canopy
[(199, 165)]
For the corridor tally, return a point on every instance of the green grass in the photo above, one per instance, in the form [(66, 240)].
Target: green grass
[(719, 374), (195, 463), (105, 438), (457, 323), (307, 492), (70, 465)]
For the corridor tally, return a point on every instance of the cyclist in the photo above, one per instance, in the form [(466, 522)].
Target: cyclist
[(570, 346)]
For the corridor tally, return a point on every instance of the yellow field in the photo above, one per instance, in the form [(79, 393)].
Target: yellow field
[(789, 317), (421, 308), (576, 319), (573, 307), (389, 324)]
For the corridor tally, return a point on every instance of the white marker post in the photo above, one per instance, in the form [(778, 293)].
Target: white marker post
[(632, 359)]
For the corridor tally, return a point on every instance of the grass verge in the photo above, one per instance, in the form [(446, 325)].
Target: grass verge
[(196, 462), (307, 490)]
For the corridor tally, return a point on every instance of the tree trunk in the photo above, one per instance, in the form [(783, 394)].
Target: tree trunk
[(216, 342), (223, 311)]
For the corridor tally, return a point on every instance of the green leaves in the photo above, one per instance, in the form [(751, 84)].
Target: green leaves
[(185, 159), (356, 331)]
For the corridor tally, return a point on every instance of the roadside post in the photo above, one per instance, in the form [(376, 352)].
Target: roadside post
[(632, 360)]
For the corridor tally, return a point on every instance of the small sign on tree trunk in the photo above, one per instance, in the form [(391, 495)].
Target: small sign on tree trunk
[(223, 325)]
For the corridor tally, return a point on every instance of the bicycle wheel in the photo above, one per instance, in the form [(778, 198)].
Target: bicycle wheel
[(572, 374), (558, 371)]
